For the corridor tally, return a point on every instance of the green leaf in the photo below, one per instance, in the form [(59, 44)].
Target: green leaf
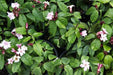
[(38, 14), (38, 49), (52, 28), (1, 62), (106, 48), (84, 58), (95, 45), (77, 15), (59, 24), (85, 50), (38, 59), (49, 66), (21, 30), (109, 13), (107, 20), (65, 60), (78, 72), (91, 73), (72, 38), (104, 1), (37, 34), (62, 6), (27, 59), (22, 20), (64, 14), (90, 36), (74, 63), (94, 16), (37, 71), (3, 6), (7, 33), (111, 3), (100, 56), (16, 67), (27, 39), (31, 17), (68, 69), (51, 57), (107, 61), (90, 10)]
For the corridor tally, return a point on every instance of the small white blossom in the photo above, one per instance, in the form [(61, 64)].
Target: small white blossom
[(20, 51), (71, 6), (83, 33), (50, 16), (15, 5), (24, 48), (103, 37), (11, 15), (16, 58), (104, 30), (19, 36), (85, 65), (5, 44), (10, 61), (46, 2)]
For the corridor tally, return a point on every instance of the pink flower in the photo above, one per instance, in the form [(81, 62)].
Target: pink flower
[(19, 36), (15, 5), (99, 67), (21, 51), (19, 45), (83, 33), (50, 16), (26, 26), (70, 8), (3, 51), (45, 4), (10, 61), (6, 44), (11, 15), (13, 50)]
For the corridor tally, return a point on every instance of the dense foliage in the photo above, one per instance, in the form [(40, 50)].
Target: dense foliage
[(56, 37)]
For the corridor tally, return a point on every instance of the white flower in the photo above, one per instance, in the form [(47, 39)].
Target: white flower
[(14, 30), (83, 33), (19, 36), (46, 2), (10, 61), (71, 6), (20, 51), (11, 15), (85, 65), (50, 16), (24, 48), (16, 58), (103, 37), (5, 44), (104, 30), (15, 5), (1, 45)]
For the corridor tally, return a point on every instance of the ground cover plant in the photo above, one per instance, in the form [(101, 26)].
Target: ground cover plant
[(56, 37)]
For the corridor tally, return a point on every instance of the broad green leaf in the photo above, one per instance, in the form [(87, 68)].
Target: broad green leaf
[(38, 49), (85, 50), (107, 20), (37, 34), (27, 39), (100, 55), (72, 38), (27, 59), (84, 58), (3, 6), (64, 14), (95, 45), (37, 71), (16, 67), (53, 8), (91, 73), (62, 6), (90, 10), (24, 10), (109, 13), (59, 24), (68, 69), (21, 30), (106, 48), (1, 62), (111, 3), (94, 16), (38, 59), (107, 61), (51, 57), (104, 1), (49, 66), (7, 33), (65, 60), (28, 5), (31, 17), (52, 28), (22, 20), (63, 20), (90, 36), (78, 72), (70, 32), (77, 15), (74, 63)]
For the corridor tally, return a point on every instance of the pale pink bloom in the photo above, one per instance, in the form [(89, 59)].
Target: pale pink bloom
[(104, 31), (20, 52), (15, 5), (26, 26), (24, 48), (19, 36), (6, 44), (103, 37), (70, 8), (46, 2), (99, 67), (50, 16), (99, 33), (1, 45), (13, 50), (19, 45), (16, 58), (83, 33), (3, 51), (10, 61), (13, 31), (11, 15), (85, 65)]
